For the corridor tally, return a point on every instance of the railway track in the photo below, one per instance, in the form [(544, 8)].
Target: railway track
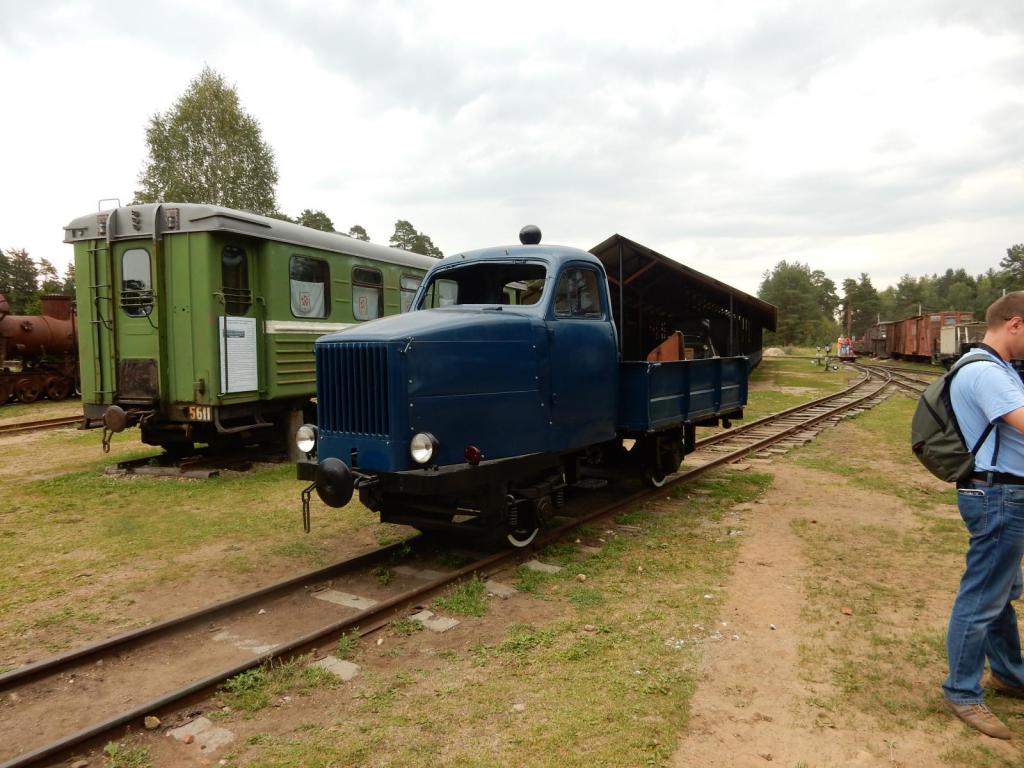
[(212, 644), (902, 377), (909, 369), (39, 424)]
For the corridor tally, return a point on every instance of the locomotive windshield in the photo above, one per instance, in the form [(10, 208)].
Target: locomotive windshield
[(487, 283)]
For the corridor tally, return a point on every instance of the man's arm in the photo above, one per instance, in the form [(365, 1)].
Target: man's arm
[(1015, 419)]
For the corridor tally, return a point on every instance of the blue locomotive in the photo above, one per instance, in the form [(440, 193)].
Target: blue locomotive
[(501, 389)]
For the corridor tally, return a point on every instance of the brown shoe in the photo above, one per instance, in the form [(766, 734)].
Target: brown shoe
[(980, 718), (1000, 686)]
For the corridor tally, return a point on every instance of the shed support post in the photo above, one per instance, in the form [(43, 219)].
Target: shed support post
[(622, 311), (731, 315)]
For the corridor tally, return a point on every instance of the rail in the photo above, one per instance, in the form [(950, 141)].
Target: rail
[(40, 424)]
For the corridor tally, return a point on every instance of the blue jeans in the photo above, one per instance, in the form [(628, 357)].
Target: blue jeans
[(983, 623)]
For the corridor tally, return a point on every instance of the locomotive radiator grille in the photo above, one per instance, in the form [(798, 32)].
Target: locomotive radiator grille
[(352, 388)]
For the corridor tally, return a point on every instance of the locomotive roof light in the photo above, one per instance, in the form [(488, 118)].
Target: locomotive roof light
[(529, 235), (422, 447), (305, 439)]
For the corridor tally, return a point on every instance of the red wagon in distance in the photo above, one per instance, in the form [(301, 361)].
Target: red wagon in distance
[(917, 338)]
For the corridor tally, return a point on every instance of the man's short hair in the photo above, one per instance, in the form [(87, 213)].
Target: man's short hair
[(1003, 309)]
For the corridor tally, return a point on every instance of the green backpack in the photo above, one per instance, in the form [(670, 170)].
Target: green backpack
[(935, 435)]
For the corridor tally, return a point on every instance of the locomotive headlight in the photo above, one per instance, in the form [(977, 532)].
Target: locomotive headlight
[(305, 438), (422, 447)]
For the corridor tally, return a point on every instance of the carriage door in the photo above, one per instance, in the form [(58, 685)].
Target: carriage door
[(584, 359), (237, 330), (136, 328)]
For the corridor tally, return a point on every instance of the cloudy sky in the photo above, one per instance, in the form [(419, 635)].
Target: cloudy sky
[(854, 136)]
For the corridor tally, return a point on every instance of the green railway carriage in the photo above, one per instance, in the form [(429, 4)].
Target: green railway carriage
[(197, 322)]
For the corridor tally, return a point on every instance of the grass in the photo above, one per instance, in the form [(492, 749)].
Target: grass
[(41, 409), (406, 626), (120, 754), (383, 574), (254, 689), (466, 599), (347, 645), (589, 681), (769, 381), (882, 433), (75, 546)]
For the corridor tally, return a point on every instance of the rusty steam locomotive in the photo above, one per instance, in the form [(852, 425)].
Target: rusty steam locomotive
[(38, 353)]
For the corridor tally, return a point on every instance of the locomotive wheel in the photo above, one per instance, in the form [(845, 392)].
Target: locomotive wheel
[(57, 387), (655, 476), (522, 536), (27, 390), (5, 392), (528, 522)]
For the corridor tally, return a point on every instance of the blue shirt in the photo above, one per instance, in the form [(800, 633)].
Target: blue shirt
[(982, 393)]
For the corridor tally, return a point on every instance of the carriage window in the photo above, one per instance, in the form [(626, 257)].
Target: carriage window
[(577, 294), (367, 293), (136, 283), (310, 281), (234, 280), (408, 285)]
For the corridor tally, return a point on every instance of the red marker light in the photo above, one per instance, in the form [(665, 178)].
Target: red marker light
[(473, 455)]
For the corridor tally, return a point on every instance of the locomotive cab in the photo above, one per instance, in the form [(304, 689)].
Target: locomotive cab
[(508, 359)]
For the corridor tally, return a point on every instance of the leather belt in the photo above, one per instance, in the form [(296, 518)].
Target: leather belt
[(1002, 478)]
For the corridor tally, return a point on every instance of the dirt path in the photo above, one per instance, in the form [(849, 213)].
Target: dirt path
[(758, 699)]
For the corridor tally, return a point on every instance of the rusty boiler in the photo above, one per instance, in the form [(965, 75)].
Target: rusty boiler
[(37, 352)]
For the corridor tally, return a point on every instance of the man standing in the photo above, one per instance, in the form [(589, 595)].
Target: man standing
[(983, 623)]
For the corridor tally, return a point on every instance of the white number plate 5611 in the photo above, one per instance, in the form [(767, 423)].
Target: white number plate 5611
[(199, 413)]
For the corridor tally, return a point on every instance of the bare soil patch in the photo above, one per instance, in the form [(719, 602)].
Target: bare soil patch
[(835, 664)]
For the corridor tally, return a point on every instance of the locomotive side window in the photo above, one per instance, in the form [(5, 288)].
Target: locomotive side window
[(136, 283), (577, 294), (234, 280), (367, 293), (310, 283), (408, 285)]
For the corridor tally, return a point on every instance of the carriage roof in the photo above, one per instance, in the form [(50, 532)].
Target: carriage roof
[(155, 220)]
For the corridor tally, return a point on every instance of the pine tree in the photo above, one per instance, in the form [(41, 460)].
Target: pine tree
[(22, 282), (50, 281), (408, 239), (316, 220)]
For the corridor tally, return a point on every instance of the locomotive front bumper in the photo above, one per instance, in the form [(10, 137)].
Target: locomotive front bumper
[(333, 478)]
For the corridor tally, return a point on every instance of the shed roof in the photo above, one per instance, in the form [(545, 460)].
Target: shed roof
[(663, 281)]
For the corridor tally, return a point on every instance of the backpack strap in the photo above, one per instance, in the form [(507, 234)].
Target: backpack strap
[(963, 361), (967, 360), (981, 441)]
